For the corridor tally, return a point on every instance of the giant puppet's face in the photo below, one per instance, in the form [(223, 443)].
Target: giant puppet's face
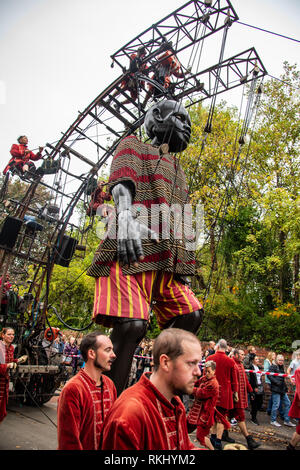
[(168, 122)]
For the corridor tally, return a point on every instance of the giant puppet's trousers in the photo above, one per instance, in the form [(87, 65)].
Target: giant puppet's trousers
[(123, 302)]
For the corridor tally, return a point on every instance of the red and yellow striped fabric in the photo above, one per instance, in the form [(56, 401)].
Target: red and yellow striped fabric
[(129, 296)]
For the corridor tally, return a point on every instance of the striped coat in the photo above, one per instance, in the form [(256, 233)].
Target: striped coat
[(158, 183)]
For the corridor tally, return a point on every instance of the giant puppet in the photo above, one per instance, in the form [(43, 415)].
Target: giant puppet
[(140, 265)]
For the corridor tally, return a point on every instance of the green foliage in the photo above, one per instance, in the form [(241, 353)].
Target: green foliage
[(249, 264), (248, 267)]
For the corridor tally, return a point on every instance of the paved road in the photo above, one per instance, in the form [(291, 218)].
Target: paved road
[(28, 428)]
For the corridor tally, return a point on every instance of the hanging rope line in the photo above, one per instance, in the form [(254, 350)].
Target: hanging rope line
[(270, 32), (220, 271)]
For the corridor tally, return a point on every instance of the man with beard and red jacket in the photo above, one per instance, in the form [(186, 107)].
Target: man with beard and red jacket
[(238, 411), (227, 377), (150, 415)]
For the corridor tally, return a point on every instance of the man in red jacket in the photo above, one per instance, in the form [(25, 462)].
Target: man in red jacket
[(226, 375), (7, 361), (238, 412), (86, 399), (150, 415), (21, 157)]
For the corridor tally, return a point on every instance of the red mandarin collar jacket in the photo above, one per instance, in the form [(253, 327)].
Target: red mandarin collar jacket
[(295, 406), (19, 158), (6, 354), (203, 411), (82, 408), (244, 386), (143, 419), (226, 375)]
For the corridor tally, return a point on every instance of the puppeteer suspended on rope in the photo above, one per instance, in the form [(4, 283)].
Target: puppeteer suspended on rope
[(129, 82), (97, 199)]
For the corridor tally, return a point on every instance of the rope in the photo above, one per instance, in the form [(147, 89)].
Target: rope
[(212, 107), (208, 125), (276, 374), (226, 196), (267, 31), (68, 326), (36, 403)]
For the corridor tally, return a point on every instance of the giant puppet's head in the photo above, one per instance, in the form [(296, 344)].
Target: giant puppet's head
[(168, 122)]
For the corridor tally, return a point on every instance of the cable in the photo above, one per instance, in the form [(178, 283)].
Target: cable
[(283, 81), (68, 326), (270, 32), (35, 401)]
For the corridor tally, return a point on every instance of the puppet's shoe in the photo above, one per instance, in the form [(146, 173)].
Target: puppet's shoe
[(226, 438), (218, 444)]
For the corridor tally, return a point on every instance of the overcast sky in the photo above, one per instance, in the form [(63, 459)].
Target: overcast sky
[(55, 54)]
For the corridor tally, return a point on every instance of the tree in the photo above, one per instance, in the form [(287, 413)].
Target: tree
[(248, 267)]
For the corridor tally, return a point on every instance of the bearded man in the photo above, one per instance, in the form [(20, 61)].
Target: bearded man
[(150, 415), (86, 399)]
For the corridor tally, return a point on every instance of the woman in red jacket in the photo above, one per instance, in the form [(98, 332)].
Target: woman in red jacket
[(7, 362), (203, 412)]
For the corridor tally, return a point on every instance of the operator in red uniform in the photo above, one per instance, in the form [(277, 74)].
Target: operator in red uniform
[(87, 397), (150, 415), (226, 375), (167, 66), (22, 158), (129, 82), (7, 362), (97, 199), (203, 411)]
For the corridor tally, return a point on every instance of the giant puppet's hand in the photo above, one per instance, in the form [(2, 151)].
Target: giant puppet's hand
[(130, 230), (166, 122)]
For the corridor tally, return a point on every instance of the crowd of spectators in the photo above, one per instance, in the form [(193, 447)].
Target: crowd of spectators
[(263, 384), (259, 385), (142, 361), (233, 380)]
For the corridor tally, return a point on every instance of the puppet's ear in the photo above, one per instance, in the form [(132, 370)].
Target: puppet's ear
[(164, 362), (157, 114)]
